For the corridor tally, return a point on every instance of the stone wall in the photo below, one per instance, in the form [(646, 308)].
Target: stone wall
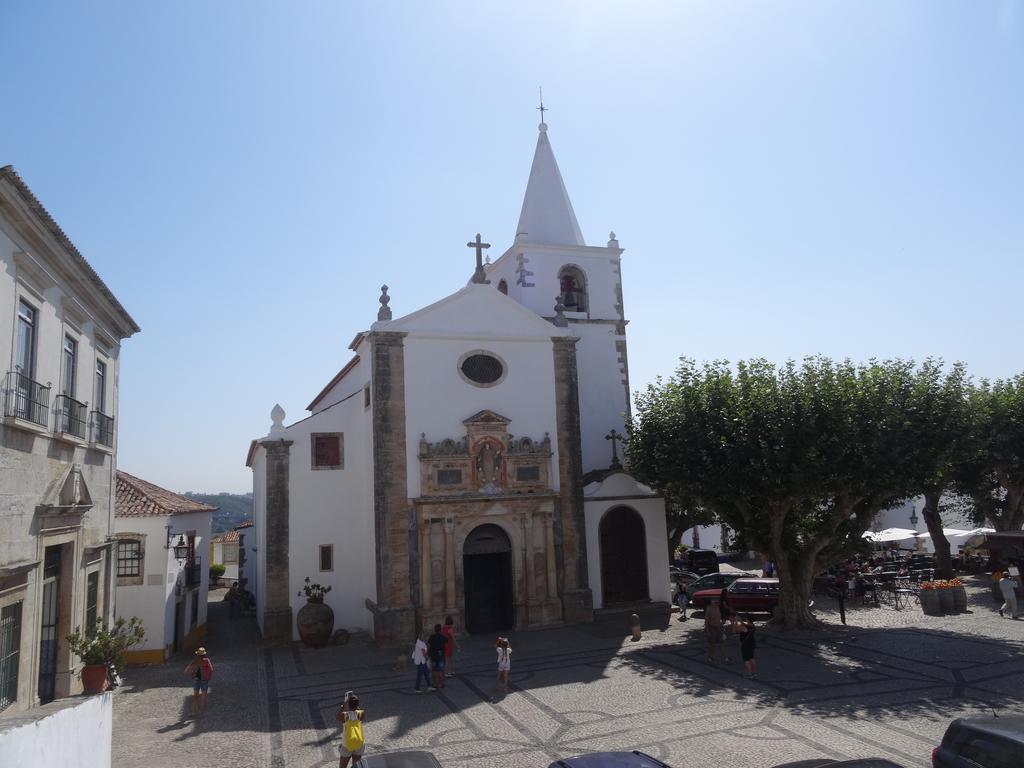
[(277, 612)]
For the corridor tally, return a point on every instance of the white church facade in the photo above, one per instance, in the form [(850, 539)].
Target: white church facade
[(464, 461)]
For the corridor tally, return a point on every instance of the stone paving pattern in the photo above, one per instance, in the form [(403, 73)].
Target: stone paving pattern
[(886, 685)]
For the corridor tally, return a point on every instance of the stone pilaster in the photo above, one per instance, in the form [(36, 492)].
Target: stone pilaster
[(277, 612), (569, 524), (394, 614)]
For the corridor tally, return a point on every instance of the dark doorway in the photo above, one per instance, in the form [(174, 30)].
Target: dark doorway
[(48, 637), (487, 576), (179, 626), (623, 557)]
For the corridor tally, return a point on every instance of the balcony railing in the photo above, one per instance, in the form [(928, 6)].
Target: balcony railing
[(26, 399), (71, 416), (193, 573), (102, 429)]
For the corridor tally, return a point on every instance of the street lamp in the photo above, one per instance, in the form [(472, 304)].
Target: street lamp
[(181, 548), (913, 516)]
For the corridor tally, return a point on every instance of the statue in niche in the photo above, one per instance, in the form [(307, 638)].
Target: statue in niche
[(488, 467)]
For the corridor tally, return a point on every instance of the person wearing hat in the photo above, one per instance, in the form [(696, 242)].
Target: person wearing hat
[(200, 669)]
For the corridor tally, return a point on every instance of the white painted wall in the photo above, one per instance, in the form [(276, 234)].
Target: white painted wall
[(154, 600), (71, 733), (597, 500)]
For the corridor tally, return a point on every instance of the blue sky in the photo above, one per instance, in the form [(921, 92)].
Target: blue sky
[(842, 178)]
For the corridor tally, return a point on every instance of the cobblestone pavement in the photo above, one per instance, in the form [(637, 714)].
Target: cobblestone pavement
[(886, 685)]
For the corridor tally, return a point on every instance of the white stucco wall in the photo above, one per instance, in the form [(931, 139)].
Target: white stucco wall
[(71, 733), (621, 490), (154, 600)]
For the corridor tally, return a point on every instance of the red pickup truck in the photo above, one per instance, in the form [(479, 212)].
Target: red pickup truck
[(744, 595)]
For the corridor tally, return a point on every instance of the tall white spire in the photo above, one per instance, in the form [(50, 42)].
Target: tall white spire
[(547, 215)]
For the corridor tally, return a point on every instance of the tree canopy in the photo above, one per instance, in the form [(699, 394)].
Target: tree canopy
[(800, 457)]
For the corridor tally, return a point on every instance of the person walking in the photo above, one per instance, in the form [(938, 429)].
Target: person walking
[(451, 645), (200, 669), (713, 629), (682, 598), (234, 598), (435, 652), (504, 663), (419, 658), (839, 589), (1008, 587), (351, 718), (744, 627)]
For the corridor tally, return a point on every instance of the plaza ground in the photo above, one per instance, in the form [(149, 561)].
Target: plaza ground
[(886, 685)]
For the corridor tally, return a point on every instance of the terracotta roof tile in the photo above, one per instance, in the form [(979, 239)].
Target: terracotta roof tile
[(246, 524), (137, 498), (229, 536)]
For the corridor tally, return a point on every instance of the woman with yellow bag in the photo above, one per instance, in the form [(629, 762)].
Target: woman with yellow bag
[(351, 718)]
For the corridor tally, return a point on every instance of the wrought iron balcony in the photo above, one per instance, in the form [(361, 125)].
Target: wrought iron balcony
[(71, 416), (102, 429), (193, 573), (26, 399)]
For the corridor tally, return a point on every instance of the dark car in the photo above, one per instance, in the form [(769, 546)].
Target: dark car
[(982, 742), (743, 595), (632, 759), (400, 760), (859, 762), (700, 561), (716, 581)]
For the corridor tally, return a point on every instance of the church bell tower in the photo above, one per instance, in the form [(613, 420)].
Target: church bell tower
[(551, 270)]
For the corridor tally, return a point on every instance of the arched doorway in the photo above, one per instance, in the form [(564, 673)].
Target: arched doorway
[(487, 579), (623, 557)]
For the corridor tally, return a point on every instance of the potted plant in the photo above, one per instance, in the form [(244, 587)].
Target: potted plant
[(104, 648), (959, 595), (929, 598), (315, 619)]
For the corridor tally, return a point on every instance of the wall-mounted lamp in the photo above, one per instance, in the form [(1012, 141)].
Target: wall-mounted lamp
[(181, 547)]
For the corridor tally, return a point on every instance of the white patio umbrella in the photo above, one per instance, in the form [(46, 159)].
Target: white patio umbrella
[(890, 534), (949, 533)]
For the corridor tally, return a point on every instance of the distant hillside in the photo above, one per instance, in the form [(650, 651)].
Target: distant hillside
[(233, 508)]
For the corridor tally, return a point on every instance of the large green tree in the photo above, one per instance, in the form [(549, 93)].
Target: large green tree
[(993, 474), (799, 457)]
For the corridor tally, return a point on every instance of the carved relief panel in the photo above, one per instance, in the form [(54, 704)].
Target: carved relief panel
[(487, 460)]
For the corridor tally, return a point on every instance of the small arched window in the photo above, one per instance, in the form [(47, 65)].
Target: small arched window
[(503, 286), (573, 287)]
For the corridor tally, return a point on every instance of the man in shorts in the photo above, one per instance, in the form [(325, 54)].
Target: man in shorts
[(435, 651), (713, 629)]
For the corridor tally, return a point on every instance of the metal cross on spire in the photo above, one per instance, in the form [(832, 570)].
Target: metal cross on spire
[(614, 437), (479, 276), (542, 108)]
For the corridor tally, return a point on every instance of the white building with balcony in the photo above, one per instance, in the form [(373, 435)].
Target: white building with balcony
[(60, 342)]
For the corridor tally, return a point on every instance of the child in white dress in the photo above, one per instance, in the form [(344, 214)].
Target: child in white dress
[(504, 662)]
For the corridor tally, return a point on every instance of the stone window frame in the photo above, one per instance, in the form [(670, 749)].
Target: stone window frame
[(320, 558), (312, 451), (130, 581), (366, 396), (488, 353), (439, 470), (583, 285)]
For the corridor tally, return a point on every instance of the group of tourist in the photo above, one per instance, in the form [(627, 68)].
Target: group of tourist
[(717, 616), (436, 653)]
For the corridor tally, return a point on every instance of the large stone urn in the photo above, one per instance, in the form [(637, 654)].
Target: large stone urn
[(316, 623)]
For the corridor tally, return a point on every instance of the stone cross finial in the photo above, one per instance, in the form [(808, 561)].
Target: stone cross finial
[(384, 313), (560, 320), (479, 276), (614, 437)]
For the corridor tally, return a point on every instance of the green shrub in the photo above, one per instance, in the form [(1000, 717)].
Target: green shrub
[(107, 644), (216, 571)]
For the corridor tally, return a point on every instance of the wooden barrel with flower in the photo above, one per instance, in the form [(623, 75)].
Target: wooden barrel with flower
[(929, 597), (945, 596)]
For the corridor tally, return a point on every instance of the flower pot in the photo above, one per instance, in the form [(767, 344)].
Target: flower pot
[(316, 623), (94, 678), (946, 600), (930, 602), (959, 599)]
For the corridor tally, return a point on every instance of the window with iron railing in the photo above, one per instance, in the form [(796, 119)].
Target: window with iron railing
[(26, 399), (10, 653), (103, 429), (71, 414)]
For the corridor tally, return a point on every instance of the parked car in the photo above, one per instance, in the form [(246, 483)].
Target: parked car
[(400, 760), (678, 574), (982, 742), (859, 762), (701, 561), (717, 581), (632, 759), (744, 595)]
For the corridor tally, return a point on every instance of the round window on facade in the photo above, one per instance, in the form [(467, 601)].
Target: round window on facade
[(482, 369)]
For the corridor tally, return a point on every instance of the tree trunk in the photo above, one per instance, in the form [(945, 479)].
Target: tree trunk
[(674, 537), (696, 537), (944, 565), (796, 578)]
